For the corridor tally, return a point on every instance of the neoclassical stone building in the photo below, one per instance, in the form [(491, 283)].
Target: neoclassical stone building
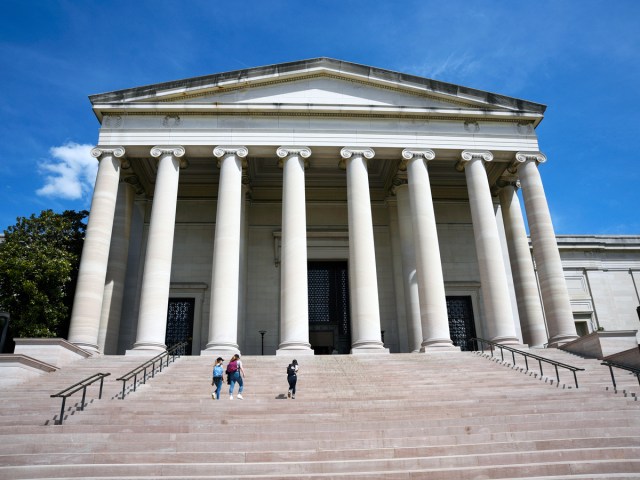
[(317, 206)]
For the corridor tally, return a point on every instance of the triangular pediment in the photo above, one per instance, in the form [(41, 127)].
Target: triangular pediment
[(320, 89), (321, 84)]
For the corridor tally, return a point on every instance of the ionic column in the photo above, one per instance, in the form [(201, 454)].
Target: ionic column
[(409, 277), (553, 287), (87, 303), (117, 266), (363, 279), (531, 318), (223, 311), (433, 301), (493, 277), (294, 305), (156, 279)]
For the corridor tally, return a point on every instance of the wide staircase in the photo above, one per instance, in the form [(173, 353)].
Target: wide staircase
[(402, 416)]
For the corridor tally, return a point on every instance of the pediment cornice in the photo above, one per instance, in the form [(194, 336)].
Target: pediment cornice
[(174, 96)]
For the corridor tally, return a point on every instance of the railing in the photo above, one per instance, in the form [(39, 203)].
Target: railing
[(528, 356), (81, 385), (170, 353), (613, 365)]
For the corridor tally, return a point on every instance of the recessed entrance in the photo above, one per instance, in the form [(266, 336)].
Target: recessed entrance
[(180, 322), (329, 320), (462, 327)]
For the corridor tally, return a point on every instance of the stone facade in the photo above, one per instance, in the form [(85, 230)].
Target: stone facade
[(219, 199), (603, 277)]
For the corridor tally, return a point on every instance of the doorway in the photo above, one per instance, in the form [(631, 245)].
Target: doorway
[(180, 323), (462, 327), (329, 319)]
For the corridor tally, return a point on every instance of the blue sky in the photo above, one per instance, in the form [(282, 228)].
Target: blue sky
[(580, 58)]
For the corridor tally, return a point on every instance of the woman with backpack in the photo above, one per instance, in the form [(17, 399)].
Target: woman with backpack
[(217, 378), (292, 378), (235, 372)]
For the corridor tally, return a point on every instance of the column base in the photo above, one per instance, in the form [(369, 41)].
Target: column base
[(301, 351), (225, 351), (141, 352), (439, 343), (439, 348), (559, 340), (366, 347), (508, 341), (156, 347)]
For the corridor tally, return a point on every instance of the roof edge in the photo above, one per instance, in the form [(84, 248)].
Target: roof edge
[(348, 68)]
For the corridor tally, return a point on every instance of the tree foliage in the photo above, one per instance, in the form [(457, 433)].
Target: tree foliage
[(38, 269)]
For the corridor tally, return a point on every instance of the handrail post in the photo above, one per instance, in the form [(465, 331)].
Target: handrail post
[(135, 381), (613, 379), (513, 356), (557, 376), (501, 352), (540, 365), (84, 394), (575, 377), (101, 384), (124, 384), (526, 362), (64, 400)]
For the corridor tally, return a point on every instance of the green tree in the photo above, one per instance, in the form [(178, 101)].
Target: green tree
[(39, 261)]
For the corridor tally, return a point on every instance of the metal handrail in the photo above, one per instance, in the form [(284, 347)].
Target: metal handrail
[(144, 367), (612, 365), (81, 385), (528, 355)]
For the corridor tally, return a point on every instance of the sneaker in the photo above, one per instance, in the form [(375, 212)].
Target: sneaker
[(240, 397), (213, 396), (293, 397), (289, 394), (230, 397)]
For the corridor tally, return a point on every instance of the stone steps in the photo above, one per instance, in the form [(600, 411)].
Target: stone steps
[(448, 416)]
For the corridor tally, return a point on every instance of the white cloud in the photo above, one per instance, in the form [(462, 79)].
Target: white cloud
[(70, 174)]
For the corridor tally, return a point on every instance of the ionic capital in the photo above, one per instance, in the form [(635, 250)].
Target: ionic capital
[(98, 152), (284, 152), (468, 155), (399, 180), (348, 152), (221, 151), (410, 153), (524, 157), (175, 151), (134, 181)]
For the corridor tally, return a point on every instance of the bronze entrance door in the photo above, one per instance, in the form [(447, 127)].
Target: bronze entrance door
[(461, 324), (329, 320), (180, 322)]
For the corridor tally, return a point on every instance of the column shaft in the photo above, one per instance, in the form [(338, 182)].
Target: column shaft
[(410, 281), (555, 297), (294, 305), (433, 301), (156, 279), (531, 318), (223, 316), (87, 303), (363, 279), (116, 271), (493, 278)]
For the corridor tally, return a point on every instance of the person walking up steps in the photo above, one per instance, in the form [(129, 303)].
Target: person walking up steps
[(292, 378), (235, 372), (217, 378)]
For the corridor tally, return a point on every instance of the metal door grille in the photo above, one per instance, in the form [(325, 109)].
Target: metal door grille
[(328, 291), (180, 322), (461, 325)]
